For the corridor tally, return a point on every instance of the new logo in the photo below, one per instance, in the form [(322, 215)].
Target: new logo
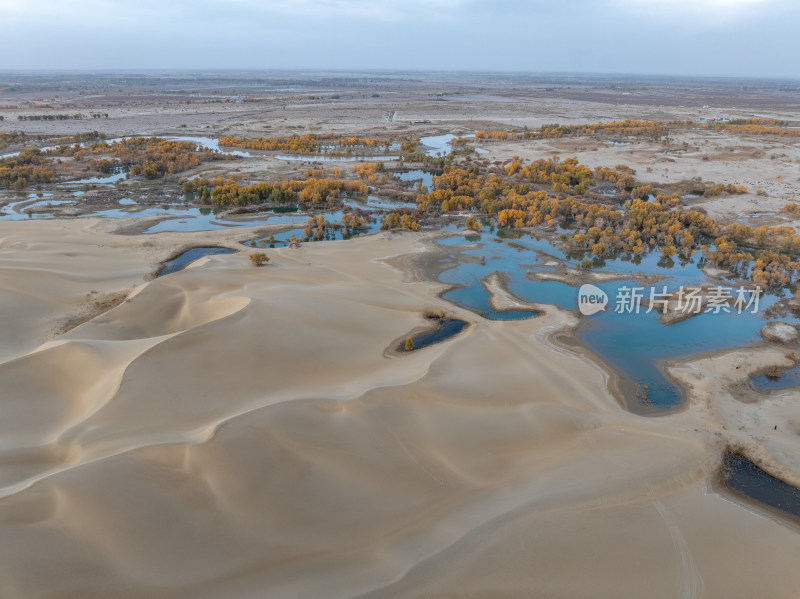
[(591, 300)]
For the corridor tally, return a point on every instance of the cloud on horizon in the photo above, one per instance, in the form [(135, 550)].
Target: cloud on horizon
[(723, 37)]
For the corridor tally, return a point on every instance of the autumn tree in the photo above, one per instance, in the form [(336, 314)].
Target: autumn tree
[(258, 259)]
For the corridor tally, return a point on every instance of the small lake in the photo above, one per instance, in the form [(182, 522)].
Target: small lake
[(183, 260), (207, 142), (332, 234), (373, 202), (107, 180), (19, 210), (634, 344), (446, 329), (326, 158), (211, 144), (744, 478), (204, 218), (439, 145), (786, 380), (417, 175)]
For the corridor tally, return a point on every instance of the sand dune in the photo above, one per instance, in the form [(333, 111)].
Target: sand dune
[(231, 431)]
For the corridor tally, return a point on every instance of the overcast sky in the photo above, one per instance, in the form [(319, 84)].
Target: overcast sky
[(680, 37)]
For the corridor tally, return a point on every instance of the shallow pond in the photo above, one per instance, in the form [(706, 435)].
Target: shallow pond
[(19, 210), (633, 343), (478, 150), (785, 380), (107, 180), (373, 202), (193, 218), (211, 144), (744, 478), (446, 328), (325, 158), (439, 145), (417, 175), (204, 219), (332, 234), (183, 260)]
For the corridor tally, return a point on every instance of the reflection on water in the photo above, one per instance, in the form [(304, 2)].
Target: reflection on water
[(439, 145), (324, 158), (744, 478), (211, 144), (332, 233), (632, 343), (380, 204), (417, 175), (23, 209), (189, 256), (205, 219), (107, 180), (446, 328), (785, 380)]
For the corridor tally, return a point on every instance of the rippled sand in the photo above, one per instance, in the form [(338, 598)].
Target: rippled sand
[(238, 432)]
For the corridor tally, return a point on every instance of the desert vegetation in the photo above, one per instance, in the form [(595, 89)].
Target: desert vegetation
[(27, 167), (628, 128), (639, 218), (319, 227), (258, 259), (395, 220), (229, 192), (755, 127), (310, 143), (635, 129), (150, 157)]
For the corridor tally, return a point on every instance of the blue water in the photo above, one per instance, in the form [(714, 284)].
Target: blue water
[(786, 380), (373, 204), (439, 145), (211, 144), (633, 343), (17, 210), (107, 180), (478, 150), (193, 219), (206, 219), (447, 328), (182, 261), (380, 204), (417, 175), (332, 235), (207, 142), (324, 158)]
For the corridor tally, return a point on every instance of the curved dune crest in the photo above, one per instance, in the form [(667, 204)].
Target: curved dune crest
[(233, 432), (159, 309)]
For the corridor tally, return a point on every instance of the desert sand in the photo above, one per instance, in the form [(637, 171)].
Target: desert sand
[(238, 432), (233, 432)]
